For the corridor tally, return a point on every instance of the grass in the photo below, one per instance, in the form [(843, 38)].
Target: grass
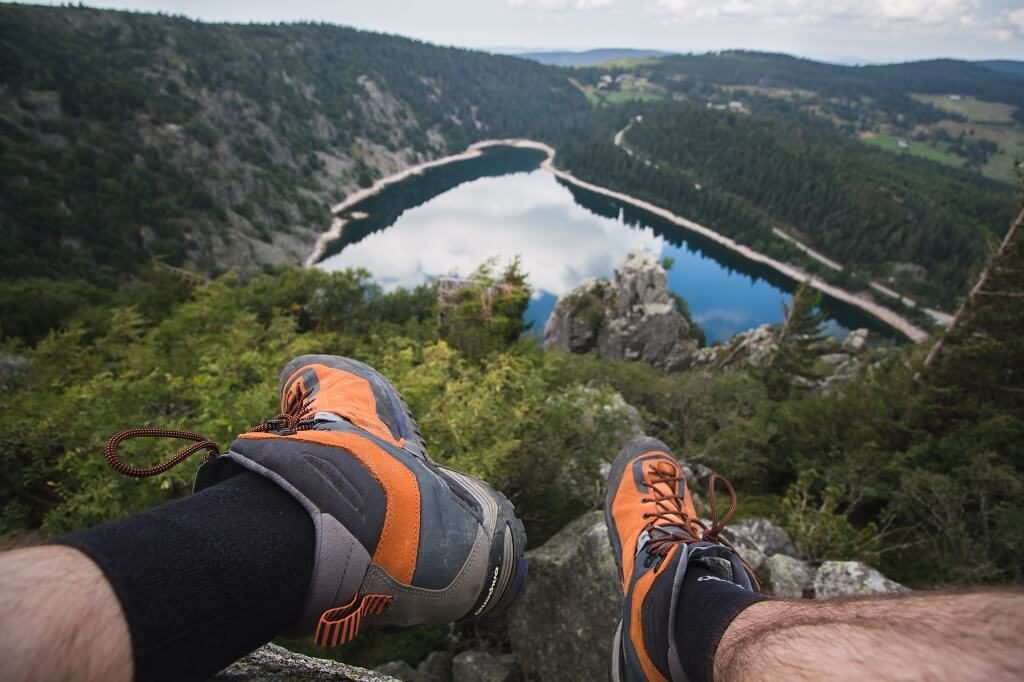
[(623, 96), (645, 93), (1010, 139), (890, 143), (975, 110), (629, 63)]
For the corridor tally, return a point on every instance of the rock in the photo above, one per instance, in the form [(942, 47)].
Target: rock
[(562, 625), (484, 666), (835, 359), (633, 318), (851, 579), (757, 540), (11, 366), (437, 666), (788, 577), (274, 663), (752, 348), (400, 670), (856, 341)]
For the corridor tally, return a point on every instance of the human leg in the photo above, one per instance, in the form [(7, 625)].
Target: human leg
[(953, 636)]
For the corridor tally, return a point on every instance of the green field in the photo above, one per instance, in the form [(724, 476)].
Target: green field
[(890, 143), (642, 94), (970, 108)]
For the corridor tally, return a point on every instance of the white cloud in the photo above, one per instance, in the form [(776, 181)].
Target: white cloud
[(560, 5), (928, 11), (1016, 19)]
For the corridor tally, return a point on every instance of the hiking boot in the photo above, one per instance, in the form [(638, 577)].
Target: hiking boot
[(655, 536), (401, 540)]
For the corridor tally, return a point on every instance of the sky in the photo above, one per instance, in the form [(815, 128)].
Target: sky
[(834, 30)]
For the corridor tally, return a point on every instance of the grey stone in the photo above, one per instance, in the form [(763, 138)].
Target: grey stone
[(788, 577), (562, 625), (835, 359), (437, 666), (752, 348), (272, 663), (635, 317), (763, 534), (11, 366), (485, 666), (400, 670), (851, 579), (856, 341)]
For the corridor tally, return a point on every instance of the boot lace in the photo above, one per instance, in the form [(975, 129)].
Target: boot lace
[(674, 526), (296, 417)]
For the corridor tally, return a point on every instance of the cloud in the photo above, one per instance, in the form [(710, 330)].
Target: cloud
[(1016, 19), (560, 5), (813, 11)]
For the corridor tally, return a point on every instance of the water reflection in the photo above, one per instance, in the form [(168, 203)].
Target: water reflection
[(450, 220)]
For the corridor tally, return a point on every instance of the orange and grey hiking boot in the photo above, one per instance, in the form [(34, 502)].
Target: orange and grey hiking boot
[(656, 537), (400, 540)]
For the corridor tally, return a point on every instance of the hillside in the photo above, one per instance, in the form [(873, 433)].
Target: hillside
[(221, 147), (958, 113), (126, 136), (914, 225)]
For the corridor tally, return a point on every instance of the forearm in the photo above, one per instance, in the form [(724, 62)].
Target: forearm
[(177, 592), (939, 636), (60, 619)]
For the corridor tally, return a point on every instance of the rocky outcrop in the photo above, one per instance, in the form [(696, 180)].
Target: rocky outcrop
[(851, 579), (437, 667), (562, 626), (634, 317), (274, 663), (485, 666), (752, 348), (788, 577), (856, 341)]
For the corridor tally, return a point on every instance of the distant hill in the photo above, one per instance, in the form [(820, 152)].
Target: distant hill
[(590, 57), (963, 114), (1010, 66), (125, 135)]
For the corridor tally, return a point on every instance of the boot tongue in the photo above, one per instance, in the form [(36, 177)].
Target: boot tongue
[(672, 530)]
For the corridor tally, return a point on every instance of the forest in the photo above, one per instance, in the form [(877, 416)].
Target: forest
[(131, 143)]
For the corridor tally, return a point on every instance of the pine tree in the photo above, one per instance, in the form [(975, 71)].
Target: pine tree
[(793, 363)]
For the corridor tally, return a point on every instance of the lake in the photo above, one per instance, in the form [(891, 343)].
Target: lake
[(450, 219)]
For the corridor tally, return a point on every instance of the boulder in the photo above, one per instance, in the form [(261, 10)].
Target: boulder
[(851, 579), (752, 348), (634, 317), (835, 359), (757, 539), (400, 670), (562, 625), (485, 666), (436, 667), (788, 577), (272, 662), (856, 341)]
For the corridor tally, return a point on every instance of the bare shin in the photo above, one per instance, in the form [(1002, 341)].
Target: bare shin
[(950, 636), (60, 619)]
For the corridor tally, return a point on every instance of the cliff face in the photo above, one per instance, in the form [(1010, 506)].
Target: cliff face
[(633, 317)]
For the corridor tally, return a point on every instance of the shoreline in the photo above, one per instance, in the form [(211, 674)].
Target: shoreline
[(885, 315)]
